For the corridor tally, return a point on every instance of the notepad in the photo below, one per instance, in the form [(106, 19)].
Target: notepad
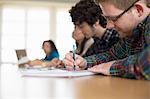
[(54, 73)]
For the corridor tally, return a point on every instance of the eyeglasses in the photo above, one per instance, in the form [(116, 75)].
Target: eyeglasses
[(115, 18)]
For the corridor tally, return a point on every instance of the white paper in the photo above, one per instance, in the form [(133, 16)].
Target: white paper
[(54, 73)]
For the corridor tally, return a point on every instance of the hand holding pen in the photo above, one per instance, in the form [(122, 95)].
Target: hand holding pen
[(73, 61), (74, 52)]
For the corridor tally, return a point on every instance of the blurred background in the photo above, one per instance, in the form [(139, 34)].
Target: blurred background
[(25, 24)]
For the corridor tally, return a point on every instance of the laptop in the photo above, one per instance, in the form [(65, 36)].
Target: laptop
[(23, 60), (22, 57)]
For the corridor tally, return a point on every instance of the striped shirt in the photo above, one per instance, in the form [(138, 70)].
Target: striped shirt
[(132, 54), (109, 38)]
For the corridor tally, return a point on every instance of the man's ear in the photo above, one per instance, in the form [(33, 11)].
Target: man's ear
[(139, 9), (96, 23)]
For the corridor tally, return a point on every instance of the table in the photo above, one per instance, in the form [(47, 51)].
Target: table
[(14, 86)]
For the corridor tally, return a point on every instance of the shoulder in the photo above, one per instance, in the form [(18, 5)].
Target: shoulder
[(54, 53)]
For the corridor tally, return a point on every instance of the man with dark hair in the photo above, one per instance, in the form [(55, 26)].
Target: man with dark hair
[(87, 11), (87, 16), (131, 18)]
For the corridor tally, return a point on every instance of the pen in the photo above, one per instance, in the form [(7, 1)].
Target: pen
[(74, 67)]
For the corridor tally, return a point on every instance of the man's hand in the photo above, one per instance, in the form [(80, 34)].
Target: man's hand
[(79, 62), (102, 68)]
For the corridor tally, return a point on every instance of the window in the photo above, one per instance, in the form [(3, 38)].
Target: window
[(13, 31), (25, 29), (64, 32), (38, 30), (28, 27)]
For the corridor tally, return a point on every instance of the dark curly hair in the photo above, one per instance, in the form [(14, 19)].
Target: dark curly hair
[(87, 11)]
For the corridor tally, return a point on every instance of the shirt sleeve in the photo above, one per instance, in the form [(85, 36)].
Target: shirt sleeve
[(118, 51), (135, 66)]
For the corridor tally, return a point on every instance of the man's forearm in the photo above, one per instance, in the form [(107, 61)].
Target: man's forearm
[(135, 66)]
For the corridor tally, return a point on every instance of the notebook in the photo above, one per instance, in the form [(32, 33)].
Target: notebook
[(54, 73)]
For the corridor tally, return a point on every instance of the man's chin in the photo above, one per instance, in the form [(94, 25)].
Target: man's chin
[(87, 37), (123, 34)]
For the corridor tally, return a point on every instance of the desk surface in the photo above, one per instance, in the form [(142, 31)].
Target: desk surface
[(13, 86)]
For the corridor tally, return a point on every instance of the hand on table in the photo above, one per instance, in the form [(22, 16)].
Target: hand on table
[(102, 68)]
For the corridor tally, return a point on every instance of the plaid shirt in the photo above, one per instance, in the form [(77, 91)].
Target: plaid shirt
[(134, 52), (109, 38)]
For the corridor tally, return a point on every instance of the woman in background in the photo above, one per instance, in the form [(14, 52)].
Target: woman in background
[(50, 50), (52, 55)]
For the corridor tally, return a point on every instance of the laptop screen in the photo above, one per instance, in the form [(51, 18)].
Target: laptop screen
[(21, 53)]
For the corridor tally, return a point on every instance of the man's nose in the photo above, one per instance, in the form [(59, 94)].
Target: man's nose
[(110, 24)]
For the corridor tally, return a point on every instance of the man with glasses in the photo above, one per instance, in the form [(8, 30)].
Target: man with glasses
[(131, 18)]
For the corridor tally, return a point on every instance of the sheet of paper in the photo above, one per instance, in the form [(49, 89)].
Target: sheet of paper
[(54, 73)]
